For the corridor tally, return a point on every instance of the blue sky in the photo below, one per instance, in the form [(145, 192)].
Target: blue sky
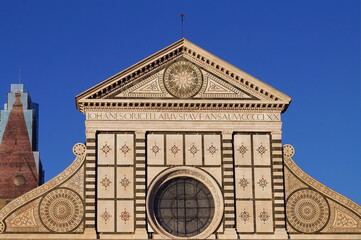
[(308, 49)]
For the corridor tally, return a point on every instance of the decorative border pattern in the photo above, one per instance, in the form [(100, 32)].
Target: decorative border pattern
[(307, 211), (182, 106), (61, 210)]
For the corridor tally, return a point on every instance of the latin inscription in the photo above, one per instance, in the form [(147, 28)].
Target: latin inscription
[(156, 116)]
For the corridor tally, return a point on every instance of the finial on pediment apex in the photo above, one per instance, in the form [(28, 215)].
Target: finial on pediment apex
[(288, 150), (79, 149)]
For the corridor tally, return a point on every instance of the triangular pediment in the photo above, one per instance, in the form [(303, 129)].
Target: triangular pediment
[(156, 86), (183, 72)]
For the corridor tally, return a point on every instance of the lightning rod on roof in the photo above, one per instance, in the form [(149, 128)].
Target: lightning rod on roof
[(19, 74), (182, 23)]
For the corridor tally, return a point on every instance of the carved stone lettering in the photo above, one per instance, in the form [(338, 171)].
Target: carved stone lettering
[(181, 116)]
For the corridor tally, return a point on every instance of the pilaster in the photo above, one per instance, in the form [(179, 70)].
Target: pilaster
[(278, 186), (90, 181), (228, 187), (140, 186)]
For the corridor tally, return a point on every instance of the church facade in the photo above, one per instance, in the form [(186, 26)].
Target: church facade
[(182, 145)]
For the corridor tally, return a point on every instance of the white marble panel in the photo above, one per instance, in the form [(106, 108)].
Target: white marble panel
[(125, 149), (215, 172), (125, 182), (261, 150), (245, 218), (155, 149), (106, 182), (264, 216), (106, 149), (242, 149), (153, 172), (263, 182), (193, 149), (125, 216), (212, 150), (105, 216), (244, 182), (174, 149)]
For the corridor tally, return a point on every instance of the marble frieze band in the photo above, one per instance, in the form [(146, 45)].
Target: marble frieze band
[(182, 116)]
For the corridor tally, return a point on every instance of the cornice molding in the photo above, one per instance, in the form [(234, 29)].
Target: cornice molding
[(174, 106)]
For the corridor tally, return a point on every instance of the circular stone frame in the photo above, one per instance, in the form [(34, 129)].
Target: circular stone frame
[(190, 172), (71, 209), (183, 79), (307, 211), (288, 150)]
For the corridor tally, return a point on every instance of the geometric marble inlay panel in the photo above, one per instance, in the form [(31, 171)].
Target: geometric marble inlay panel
[(242, 149), (263, 182), (264, 216), (193, 149), (261, 150), (125, 149), (253, 182), (212, 149), (25, 219), (244, 183), (105, 216), (174, 149), (155, 149), (106, 182), (245, 219), (125, 216), (106, 149), (115, 181), (125, 182)]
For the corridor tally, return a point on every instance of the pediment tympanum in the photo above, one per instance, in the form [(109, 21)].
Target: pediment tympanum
[(179, 75), (182, 79)]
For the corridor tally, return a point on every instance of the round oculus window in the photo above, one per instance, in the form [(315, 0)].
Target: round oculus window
[(184, 203), (19, 180), (184, 207)]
